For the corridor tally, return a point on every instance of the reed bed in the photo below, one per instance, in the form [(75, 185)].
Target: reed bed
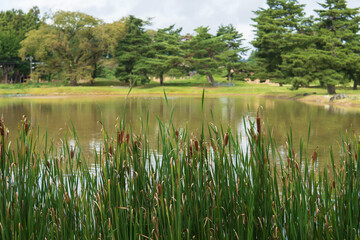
[(189, 188)]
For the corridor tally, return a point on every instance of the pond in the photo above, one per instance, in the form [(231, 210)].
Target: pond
[(56, 114)]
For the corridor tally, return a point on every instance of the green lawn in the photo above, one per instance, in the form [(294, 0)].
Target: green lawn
[(173, 87)]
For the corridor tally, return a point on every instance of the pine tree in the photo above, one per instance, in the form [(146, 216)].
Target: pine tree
[(233, 49), (203, 53), (165, 52), (337, 43), (132, 51), (297, 65), (273, 26)]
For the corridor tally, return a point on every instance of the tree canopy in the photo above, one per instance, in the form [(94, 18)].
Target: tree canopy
[(290, 47), (298, 50), (71, 46), (14, 24)]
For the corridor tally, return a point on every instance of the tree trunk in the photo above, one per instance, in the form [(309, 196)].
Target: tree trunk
[(73, 81), (355, 84), (229, 76), (210, 79), (93, 75), (161, 79), (17, 76), (6, 78), (331, 89), (5, 74)]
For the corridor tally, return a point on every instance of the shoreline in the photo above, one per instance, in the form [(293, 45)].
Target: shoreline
[(305, 96)]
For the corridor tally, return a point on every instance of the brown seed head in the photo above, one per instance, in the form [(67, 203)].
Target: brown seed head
[(71, 153), (127, 138), (314, 156), (349, 149), (258, 123), (177, 134), (333, 184), (213, 146), (159, 187), (226, 139), (288, 162), (196, 144), (1, 129), (121, 136), (190, 151), (26, 127)]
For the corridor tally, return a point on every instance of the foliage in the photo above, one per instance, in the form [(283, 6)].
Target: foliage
[(233, 50), (165, 52), (273, 25), (337, 31), (203, 53), (298, 50), (14, 24), (132, 52), (72, 45)]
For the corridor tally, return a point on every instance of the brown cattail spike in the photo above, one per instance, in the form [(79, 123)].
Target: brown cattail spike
[(213, 146), (314, 156), (110, 150), (121, 137), (258, 123), (1, 128), (26, 127), (127, 138), (288, 162), (177, 134), (71, 153), (226, 139), (159, 188), (196, 144)]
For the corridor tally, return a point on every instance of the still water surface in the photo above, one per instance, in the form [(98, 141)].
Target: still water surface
[(56, 114)]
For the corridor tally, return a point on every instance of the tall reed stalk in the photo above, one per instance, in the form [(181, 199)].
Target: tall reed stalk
[(189, 188)]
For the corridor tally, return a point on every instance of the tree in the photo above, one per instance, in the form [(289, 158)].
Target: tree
[(132, 50), (233, 50), (72, 45), (203, 52), (298, 62), (338, 43), (165, 52), (273, 24), (14, 24)]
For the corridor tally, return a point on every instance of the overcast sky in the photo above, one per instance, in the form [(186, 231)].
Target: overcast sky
[(188, 14)]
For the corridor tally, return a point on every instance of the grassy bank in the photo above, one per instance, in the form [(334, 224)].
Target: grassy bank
[(189, 188), (181, 87)]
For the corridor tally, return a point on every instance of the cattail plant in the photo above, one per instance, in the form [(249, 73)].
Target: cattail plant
[(183, 190)]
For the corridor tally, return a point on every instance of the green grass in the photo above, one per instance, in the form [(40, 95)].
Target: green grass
[(188, 188), (185, 86)]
